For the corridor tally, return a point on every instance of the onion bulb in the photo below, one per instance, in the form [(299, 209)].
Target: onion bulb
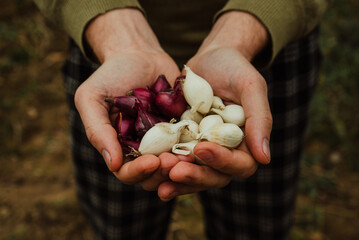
[(225, 134), (232, 114), (197, 92)]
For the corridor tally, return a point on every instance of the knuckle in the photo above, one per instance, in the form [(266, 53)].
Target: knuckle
[(269, 118), (91, 134), (79, 95)]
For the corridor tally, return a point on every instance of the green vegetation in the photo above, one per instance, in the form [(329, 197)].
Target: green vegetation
[(329, 164), (334, 114)]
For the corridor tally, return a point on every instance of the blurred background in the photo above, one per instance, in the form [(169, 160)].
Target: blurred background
[(37, 198)]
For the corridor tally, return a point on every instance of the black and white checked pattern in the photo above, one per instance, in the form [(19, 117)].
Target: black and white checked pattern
[(260, 207)]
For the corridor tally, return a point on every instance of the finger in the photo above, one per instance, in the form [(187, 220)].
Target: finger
[(95, 117), (152, 182), (138, 170), (258, 118), (186, 158), (229, 161), (169, 69), (168, 190), (199, 176), (167, 161)]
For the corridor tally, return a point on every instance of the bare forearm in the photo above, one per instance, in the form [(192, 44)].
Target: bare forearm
[(118, 31), (239, 30)]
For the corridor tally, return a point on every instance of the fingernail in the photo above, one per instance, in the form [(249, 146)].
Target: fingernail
[(106, 155), (266, 149), (205, 155)]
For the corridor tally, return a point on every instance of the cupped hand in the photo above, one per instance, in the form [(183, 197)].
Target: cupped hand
[(224, 60), (235, 80), (130, 57), (221, 164), (115, 77)]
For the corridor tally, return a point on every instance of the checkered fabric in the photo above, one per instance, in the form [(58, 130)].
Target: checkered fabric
[(260, 207), (115, 210)]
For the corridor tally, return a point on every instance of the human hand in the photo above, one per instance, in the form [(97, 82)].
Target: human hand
[(130, 57), (224, 60), (149, 171)]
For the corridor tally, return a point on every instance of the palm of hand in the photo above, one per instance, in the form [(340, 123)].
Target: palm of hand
[(116, 77), (227, 71), (131, 70), (235, 80)]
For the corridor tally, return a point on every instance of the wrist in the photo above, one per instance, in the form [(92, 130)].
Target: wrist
[(239, 30), (119, 31)]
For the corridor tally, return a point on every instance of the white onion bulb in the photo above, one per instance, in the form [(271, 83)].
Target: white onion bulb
[(197, 92), (209, 121), (225, 134), (161, 138), (189, 115), (232, 114)]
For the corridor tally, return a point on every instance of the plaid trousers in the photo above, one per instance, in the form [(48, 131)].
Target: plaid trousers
[(260, 207)]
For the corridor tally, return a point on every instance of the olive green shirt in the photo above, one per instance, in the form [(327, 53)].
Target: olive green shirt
[(189, 21)]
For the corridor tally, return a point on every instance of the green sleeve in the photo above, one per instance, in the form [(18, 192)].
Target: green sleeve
[(285, 20), (73, 15)]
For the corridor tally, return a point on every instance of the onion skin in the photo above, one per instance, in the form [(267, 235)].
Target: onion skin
[(125, 126), (184, 148), (178, 83), (171, 103), (145, 120), (141, 128), (146, 97), (126, 105), (190, 132), (160, 84), (129, 145)]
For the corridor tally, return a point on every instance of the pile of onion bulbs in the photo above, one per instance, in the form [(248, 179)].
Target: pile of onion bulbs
[(161, 119)]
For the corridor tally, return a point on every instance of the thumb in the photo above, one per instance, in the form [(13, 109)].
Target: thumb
[(95, 117), (258, 120)]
